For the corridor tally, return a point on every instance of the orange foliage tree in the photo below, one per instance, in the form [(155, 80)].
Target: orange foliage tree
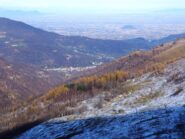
[(54, 93)]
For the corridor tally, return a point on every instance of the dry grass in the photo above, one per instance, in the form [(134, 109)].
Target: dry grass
[(173, 53), (148, 97), (58, 102)]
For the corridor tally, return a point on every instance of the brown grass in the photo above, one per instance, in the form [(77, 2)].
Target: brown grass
[(56, 101)]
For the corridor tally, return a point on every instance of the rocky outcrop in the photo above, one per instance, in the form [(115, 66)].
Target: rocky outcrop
[(161, 123)]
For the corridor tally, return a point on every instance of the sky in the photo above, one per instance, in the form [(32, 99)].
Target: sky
[(92, 6)]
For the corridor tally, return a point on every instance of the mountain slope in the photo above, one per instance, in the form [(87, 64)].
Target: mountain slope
[(21, 82), (139, 82), (142, 60), (21, 43), (144, 112), (25, 44)]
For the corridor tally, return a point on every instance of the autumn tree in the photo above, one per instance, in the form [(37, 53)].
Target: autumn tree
[(57, 92)]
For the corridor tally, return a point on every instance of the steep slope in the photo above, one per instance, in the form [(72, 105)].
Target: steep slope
[(142, 93), (139, 82), (141, 61), (121, 112), (21, 82), (154, 110)]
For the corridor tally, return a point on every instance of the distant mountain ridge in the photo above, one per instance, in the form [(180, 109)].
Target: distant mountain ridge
[(22, 43)]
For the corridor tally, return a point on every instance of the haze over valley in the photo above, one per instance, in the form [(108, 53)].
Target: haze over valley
[(148, 25)]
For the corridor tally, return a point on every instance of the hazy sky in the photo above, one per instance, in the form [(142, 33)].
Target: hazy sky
[(92, 6)]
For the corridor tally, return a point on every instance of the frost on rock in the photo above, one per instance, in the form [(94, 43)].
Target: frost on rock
[(161, 123), (154, 109)]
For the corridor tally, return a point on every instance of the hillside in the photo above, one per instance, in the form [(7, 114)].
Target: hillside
[(22, 43), (22, 82), (140, 61), (141, 81)]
